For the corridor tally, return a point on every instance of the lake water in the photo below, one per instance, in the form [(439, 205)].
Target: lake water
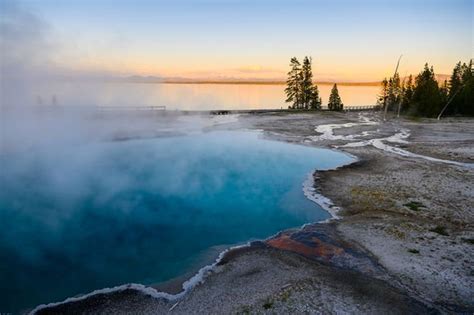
[(189, 96), (96, 215)]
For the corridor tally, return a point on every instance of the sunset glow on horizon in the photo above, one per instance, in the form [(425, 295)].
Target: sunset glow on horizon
[(356, 41)]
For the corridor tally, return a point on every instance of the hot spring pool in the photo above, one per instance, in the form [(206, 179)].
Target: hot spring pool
[(96, 215)]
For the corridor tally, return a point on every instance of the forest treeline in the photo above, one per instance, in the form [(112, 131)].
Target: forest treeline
[(302, 93), (424, 96), (421, 95)]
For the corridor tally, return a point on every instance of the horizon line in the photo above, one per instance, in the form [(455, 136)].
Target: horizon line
[(158, 80)]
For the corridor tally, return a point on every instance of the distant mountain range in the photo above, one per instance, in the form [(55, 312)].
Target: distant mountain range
[(180, 80), (439, 77), (442, 77)]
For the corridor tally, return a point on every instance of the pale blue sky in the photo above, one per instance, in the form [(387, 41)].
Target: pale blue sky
[(352, 40)]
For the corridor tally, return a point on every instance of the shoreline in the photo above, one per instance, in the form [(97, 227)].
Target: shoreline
[(346, 235), (187, 285)]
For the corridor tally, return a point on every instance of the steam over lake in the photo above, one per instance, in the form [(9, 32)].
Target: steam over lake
[(101, 214), (189, 96)]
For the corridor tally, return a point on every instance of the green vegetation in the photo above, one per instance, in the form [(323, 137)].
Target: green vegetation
[(300, 90), (441, 230), (245, 310), (335, 102), (414, 205), (424, 96), (268, 304), (284, 296), (468, 240)]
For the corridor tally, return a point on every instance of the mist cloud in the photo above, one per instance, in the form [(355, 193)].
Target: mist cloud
[(25, 48)]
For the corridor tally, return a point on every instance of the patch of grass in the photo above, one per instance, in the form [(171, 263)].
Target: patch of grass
[(285, 296), (370, 199), (268, 304), (391, 230), (441, 230), (468, 240), (410, 226), (245, 310), (413, 251), (414, 205), (414, 118)]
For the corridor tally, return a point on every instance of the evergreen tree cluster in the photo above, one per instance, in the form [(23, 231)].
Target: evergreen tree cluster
[(461, 89), (424, 96), (300, 90)]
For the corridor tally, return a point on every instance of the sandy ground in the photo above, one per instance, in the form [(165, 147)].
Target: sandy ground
[(404, 244), (428, 248)]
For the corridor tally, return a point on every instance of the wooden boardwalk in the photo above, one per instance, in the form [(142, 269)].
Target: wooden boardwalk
[(131, 108), (361, 108)]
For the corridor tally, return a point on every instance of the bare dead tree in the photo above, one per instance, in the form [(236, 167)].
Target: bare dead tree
[(386, 105), (449, 101)]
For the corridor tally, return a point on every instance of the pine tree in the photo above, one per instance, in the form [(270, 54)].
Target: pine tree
[(306, 82), (335, 102), (293, 85), (407, 94), (310, 92), (466, 106), (315, 102), (444, 93), (382, 97), (426, 95), (393, 97), (455, 84)]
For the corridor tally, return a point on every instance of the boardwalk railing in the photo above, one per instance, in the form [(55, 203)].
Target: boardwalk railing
[(357, 108)]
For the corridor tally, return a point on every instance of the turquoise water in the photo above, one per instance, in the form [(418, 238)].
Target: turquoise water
[(95, 215)]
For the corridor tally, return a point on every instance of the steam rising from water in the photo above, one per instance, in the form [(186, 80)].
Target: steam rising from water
[(81, 207)]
